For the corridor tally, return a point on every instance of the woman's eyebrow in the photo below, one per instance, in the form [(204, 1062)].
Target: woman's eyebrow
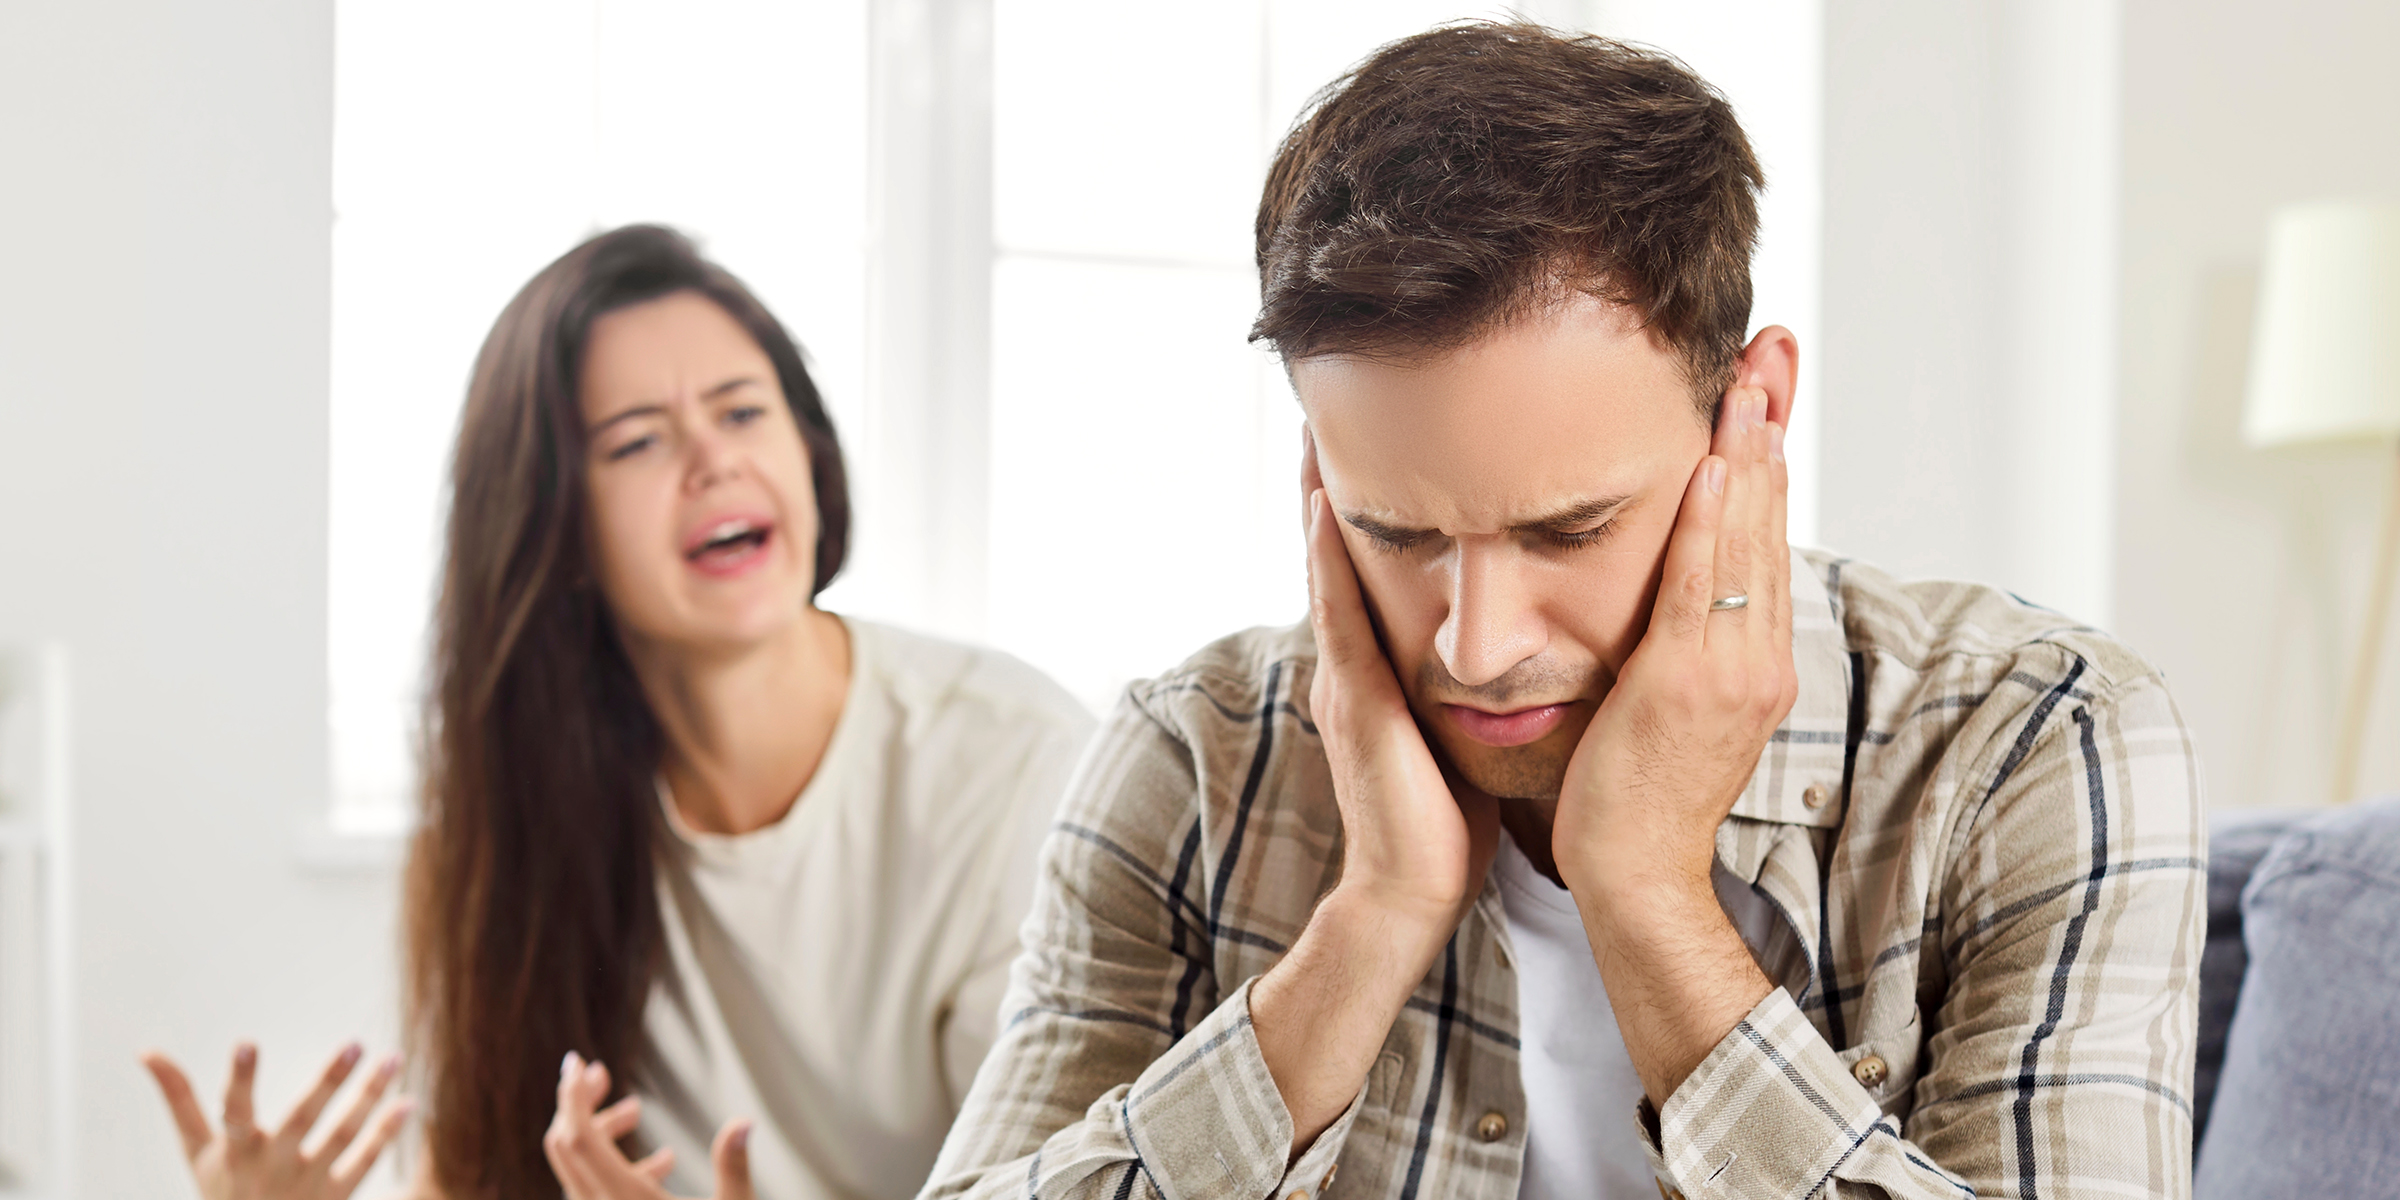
[(660, 408), (639, 410)]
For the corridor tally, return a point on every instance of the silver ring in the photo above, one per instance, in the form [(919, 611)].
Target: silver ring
[(1729, 603)]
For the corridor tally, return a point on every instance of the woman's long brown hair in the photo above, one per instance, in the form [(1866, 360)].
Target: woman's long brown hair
[(532, 921)]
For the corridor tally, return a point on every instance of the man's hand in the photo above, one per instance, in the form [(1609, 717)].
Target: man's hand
[(244, 1162), (1681, 730), (1671, 749), (1415, 847), (581, 1144), (1415, 843)]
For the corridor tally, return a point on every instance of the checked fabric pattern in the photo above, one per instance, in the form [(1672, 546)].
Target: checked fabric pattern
[(1982, 821)]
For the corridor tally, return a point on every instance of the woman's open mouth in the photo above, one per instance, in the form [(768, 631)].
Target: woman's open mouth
[(730, 547)]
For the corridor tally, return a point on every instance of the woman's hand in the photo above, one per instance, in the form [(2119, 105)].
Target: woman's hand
[(582, 1144), (244, 1162)]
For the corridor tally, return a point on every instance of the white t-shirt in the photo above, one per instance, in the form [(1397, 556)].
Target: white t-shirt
[(837, 976), (1582, 1139)]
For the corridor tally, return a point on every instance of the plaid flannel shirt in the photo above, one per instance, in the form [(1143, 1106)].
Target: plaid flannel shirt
[(1982, 822)]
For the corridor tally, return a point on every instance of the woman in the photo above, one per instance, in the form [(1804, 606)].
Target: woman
[(760, 860)]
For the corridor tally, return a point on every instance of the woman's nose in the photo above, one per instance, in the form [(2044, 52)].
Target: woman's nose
[(709, 458), (1492, 624)]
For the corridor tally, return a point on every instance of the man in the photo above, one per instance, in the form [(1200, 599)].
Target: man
[(1588, 839)]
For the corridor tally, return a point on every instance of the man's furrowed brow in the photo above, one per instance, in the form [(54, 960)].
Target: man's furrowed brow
[(1582, 512), (1382, 530), (1569, 517)]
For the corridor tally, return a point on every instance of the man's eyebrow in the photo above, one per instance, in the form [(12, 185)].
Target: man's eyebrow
[(646, 410), (1581, 512), (1383, 531)]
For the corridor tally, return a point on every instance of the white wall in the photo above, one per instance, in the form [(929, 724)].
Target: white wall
[(163, 345), (2043, 225), (2243, 573), (1969, 273)]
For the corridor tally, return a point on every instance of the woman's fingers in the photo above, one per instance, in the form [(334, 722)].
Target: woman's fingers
[(352, 1167), (241, 1120), (581, 1143), (362, 1106), (303, 1116), (190, 1123), (655, 1167), (731, 1154), (618, 1119), (567, 1127), (575, 1104)]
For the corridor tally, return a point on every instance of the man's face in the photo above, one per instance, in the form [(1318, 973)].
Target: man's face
[(1507, 506)]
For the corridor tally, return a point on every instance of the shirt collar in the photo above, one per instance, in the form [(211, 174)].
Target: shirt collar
[(1804, 759)]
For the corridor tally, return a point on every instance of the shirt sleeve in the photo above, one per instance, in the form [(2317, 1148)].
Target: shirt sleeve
[(2060, 1056), (1123, 1065)]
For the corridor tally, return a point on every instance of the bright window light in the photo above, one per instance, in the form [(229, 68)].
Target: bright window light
[(1143, 479), (476, 141)]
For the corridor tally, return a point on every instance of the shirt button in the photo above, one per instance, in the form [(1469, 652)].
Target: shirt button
[(1815, 795), (1870, 1070), (1492, 1127)]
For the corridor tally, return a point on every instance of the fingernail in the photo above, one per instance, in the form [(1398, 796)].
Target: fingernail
[(389, 1067), (350, 1053), (1775, 441), (567, 1065), (741, 1136), (1715, 474), (245, 1054), (1316, 505)]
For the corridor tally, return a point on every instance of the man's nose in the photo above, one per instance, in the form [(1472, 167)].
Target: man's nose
[(1492, 624)]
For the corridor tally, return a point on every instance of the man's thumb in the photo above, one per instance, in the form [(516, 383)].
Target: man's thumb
[(732, 1156)]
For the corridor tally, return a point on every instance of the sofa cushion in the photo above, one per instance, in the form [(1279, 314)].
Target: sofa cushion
[(2308, 1102), (2236, 843)]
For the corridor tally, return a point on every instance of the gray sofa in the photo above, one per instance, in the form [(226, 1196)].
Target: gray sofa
[(2297, 1091)]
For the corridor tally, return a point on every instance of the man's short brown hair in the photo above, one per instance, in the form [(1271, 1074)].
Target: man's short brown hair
[(1470, 174)]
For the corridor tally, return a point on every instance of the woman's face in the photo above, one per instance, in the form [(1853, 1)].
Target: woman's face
[(704, 516)]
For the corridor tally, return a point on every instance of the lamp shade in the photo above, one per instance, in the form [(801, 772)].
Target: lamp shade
[(2325, 354)]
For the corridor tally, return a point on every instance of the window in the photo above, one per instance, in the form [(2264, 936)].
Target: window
[(1135, 489), (1145, 466), (474, 142)]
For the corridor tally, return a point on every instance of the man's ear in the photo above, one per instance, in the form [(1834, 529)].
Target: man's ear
[(1771, 363)]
